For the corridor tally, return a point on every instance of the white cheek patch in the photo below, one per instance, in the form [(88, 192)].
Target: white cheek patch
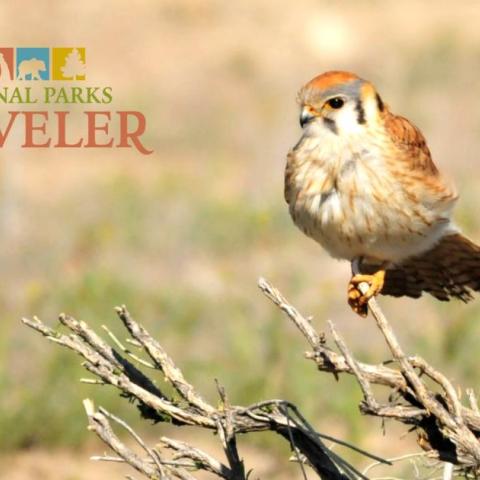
[(346, 120), (371, 107), (319, 130)]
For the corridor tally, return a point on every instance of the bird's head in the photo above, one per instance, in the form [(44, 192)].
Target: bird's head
[(339, 102)]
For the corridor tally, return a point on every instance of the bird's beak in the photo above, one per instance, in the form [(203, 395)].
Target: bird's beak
[(306, 116)]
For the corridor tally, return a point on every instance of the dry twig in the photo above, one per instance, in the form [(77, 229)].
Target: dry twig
[(187, 407), (446, 429)]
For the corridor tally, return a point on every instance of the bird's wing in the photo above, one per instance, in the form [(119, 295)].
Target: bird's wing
[(451, 269), (413, 166), (411, 143)]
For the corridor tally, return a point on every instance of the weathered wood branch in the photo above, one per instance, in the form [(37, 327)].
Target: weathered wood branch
[(187, 407), (446, 429)]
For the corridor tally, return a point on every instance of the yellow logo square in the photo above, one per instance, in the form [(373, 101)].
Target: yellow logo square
[(68, 63)]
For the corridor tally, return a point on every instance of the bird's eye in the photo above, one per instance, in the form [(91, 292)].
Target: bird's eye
[(336, 102)]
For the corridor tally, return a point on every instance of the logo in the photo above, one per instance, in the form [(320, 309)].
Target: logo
[(68, 64), (7, 65), (42, 64), (32, 64), (41, 76)]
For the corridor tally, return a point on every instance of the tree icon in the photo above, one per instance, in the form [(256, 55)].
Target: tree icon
[(74, 65)]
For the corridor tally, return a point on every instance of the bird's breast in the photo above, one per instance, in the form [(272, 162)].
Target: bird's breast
[(349, 201)]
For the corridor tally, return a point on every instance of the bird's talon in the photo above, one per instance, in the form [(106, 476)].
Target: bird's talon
[(358, 300), (353, 294)]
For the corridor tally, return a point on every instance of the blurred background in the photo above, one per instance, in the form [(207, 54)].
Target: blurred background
[(182, 235)]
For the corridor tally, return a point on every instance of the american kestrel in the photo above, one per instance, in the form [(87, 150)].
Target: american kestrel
[(362, 183)]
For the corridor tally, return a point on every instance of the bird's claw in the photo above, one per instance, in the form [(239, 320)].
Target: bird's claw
[(357, 299)]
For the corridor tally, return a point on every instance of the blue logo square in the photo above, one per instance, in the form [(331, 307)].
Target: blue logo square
[(33, 64)]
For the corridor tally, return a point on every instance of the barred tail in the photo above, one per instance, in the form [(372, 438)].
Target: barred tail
[(451, 269)]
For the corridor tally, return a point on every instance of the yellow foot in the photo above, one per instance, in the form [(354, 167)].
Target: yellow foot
[(358, 300)]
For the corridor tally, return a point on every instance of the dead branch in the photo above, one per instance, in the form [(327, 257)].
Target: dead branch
[(186, 407), (445, 428)]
